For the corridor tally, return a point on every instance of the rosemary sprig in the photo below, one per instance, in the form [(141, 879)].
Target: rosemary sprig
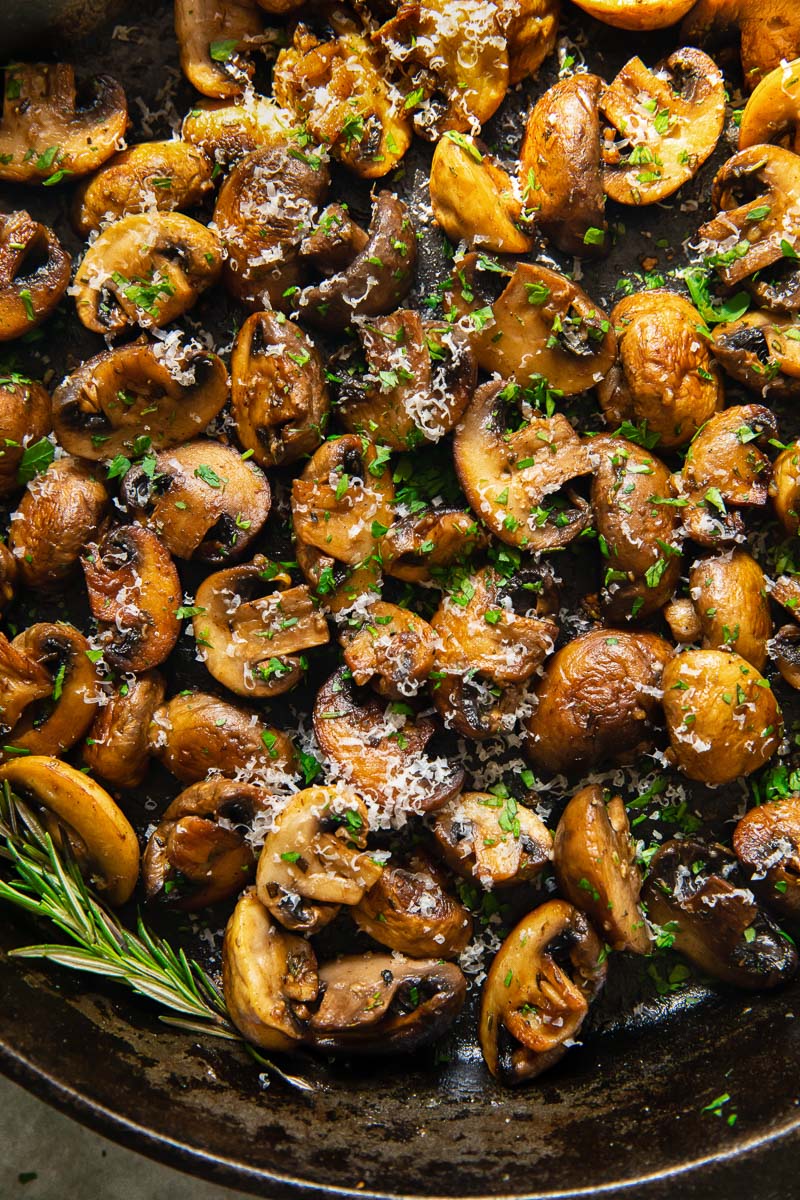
[(49, 885)]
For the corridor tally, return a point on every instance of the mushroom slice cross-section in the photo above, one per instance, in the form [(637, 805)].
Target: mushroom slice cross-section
[(53, 724), (410, 910), (420, 547), (23, 681), (493, 839), (389, 646), (761, 351), (34, 274), (215, 38)]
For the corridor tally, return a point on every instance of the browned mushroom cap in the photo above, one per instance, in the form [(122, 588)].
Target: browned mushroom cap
[(420, 547), (23, 681), (638, 528), (598, 700), (134, 595), (25, 418), (376, 280), (561, 171), (160, 175), (725, 467), (530, 28), (594, 858), (664, 374), (314, 859), (785, 650), (225, 130), (379, 749), (338, 91), (766, 39), (772, 114), (385, 1003), (34, 273), (766, 841), (475, 200), (637, 14), (251, 625), (268, 977), (343, 492), (390, 647), (722, 718), (198, 853), (785, 488), (161, 390), (662, 125), (117, 747), (52, 129), (729, 593), (413, 384), (515, 467), (52, 724), (411, 911), (201, 499), (62, 510), (195, 733), (538, 991), (493, 839), (214, 37), (279, 396), (761, 351), (699, 891), (334, 241), (8, 576)]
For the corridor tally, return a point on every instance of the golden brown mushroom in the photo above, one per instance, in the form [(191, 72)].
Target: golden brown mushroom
[(225, 130), (8, 576), (785, 488), (766, 842), (768, 37), (421, 547), (34, 274), (117, 747), (25, 418), (390, 647), (52, 724), (531, 29), (410, 910), (214, 38), (762, 351), (474, 199), (772, 114), (492, 838), (637, 15), (23, 681), (729, 596)]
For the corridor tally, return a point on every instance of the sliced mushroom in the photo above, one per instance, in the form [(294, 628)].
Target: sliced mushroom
[(152, 175), (662, 125), (772, 114), (334, 241), (493, 839), (516, 467), (201, 499), (637, 15), (538, 991), (251, 626), (699, 891), (23, 681), (25, 418), (51, 128), (421, 547), (561, 172), (117, 747), (474, 199), (391, 647), (762, 351), (198, 854), (163, 391), (598, 700), (785, 649), (594, 857), (34, 273), (665, 374), (214, 38), (100, 835), (766, 843), (146, 269), (279, 397), (729, 594), (54, 723), (194, 733), (722, 718), (410, 910), (62, 510), (531, 29), (225, 130), (315, 860), (380, 750), (785, 488), (767, 39)]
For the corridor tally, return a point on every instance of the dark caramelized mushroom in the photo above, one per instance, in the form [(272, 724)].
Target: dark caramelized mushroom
[(410, 910), (34, 274), (785, 649), (117, 747), (214, 38), (25, 418), (767, 843), (52, 724), (767, 38), (492, 839), (389, 646), (761, 351), (420, 547)]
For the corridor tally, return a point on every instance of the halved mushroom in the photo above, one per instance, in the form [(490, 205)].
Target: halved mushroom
[(314, 860), (772, 114), (385, 1003), (145, 269), (117, 747), (268, 977), (34, 273), (62, 510), (516, 467), (665, 374), (379, 749), (8, 576), (722, 717), (662, 125), (198, 854), (225, 130), (762, 352), (421, 547), (474, 199), (195, 733), (493, 839), (201, 499), (152, 175), (250, 625), (531, 29), (785, 650), (561, 172), (767, 844), (598, 700), (767, 38), (729, 594), (99, 834), (214, 38), (23, 681), (391, 647), (538, 991), (54, 723), (594, 858), (700, 892), (279, 397), (412, 384), (334, 241), (637, 15), (785, 488), (51, 128), (410, 910), (637, 526), (25, 418), (163, 391), (378, 277)]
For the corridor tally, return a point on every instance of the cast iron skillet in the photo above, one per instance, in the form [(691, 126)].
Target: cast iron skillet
[(623, 1111)]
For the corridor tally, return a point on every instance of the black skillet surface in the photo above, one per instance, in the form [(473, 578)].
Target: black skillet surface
[(625, 1109)]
